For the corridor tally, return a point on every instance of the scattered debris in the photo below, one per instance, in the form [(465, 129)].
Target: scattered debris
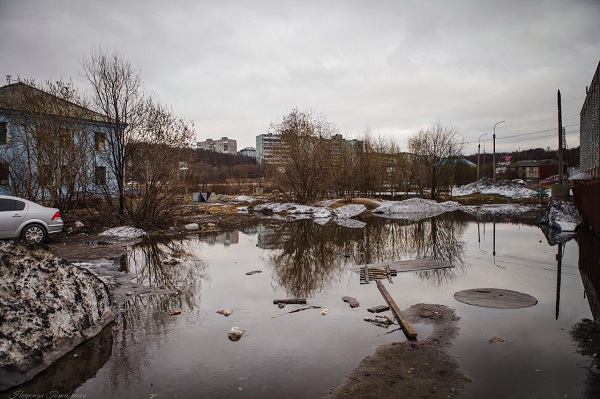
[(377, 309), (79, 224), (293, 301), (225, 312), (281, 305), (324, 312), (235, 334), (175, 312), (351, 301), (379, 320), (299, 310), (496, 340), (253, 272)]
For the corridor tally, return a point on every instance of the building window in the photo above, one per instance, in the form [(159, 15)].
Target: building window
[(100, 141), (4, 176), (100, 176), (3, 133)]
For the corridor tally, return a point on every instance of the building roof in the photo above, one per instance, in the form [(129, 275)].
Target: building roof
[(21, 97)]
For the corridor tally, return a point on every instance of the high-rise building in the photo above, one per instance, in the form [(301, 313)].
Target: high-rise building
[(225, 145), (589, 128)]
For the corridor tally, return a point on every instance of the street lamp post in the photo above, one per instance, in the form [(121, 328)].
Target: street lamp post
[(478, 151), (494, 145)]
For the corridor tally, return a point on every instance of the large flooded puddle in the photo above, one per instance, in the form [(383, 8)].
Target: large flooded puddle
[(177, 345)]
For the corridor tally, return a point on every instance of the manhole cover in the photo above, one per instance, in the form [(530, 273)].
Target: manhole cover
[(495, 298)]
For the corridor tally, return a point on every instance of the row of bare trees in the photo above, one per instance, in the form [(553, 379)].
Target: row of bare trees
[(314, 161)]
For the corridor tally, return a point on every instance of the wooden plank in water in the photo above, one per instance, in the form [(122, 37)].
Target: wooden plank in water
[(389, 274), (367, 274), (299, 301), (405, 265), (408, 329)]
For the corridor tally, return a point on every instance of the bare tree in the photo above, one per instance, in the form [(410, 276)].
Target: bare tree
[(117, 93), (156, 162), (434, 150), (306, 162), (50, 151)]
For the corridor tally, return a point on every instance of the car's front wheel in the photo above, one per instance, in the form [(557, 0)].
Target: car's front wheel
[(34, 233)]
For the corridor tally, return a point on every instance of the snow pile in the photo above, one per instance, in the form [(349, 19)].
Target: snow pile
[(349, 211), (504, 188), (561, 215), (47, 307), (124, 232), (497, 209), (244, 198), (581, 176), (415, 208), (294, 209)]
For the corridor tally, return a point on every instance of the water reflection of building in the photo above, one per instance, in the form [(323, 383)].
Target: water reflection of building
[(226, 238), (269, 237), (589, 268)]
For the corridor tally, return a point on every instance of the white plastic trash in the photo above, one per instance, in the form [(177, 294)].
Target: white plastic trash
[(235, 334)]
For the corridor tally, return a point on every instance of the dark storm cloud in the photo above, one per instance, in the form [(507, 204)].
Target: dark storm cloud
[(390, 66)]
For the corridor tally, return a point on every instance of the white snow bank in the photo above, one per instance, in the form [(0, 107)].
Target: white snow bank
[(581, 176), (504, 188), (497, 209), (124, 232), (562, 215), (349, 211), (244, 198), (294, 209), (414, 208)]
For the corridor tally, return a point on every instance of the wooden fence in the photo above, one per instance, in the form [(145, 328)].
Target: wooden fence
[(587, 200)]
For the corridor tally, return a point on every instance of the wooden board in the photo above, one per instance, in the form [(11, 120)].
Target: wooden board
[(408, 329), (404, 266), (297, 301)]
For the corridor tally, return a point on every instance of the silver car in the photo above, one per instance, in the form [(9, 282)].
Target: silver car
[(20, 218)]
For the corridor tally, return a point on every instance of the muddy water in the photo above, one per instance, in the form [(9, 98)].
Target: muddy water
[(159, 352)]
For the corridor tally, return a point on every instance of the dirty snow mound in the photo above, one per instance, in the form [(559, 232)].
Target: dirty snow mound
[(349, 211), (415, 208), (486, 185), (124, 232), (561, 215), (293, 209), (47, 307), (497, 209)]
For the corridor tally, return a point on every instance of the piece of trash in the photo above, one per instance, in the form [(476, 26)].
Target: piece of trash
[(192, 226), (253, 272), (235, 334), (115, 328), (496, 339), (175, 312), (324, 312), (298, 310), (128, 293), (225, 312), (79, 224), (351, 301), (281, 305)]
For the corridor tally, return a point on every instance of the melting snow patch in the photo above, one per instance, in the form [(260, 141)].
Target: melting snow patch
[(349, 211), (415, 208), (497, 209), (486, 185), (561, 215), (124, 232), (351, 223)]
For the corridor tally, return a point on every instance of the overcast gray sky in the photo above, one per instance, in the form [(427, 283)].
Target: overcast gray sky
[(234, 67)]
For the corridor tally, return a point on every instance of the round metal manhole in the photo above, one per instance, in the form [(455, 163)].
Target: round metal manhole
[(495, 298)]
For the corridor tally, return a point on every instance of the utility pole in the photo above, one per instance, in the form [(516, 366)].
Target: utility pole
[(560, 141), (478, 151), (494, 157)]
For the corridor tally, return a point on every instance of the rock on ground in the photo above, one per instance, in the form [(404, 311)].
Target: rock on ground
[(47, 307), (562, 216)]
